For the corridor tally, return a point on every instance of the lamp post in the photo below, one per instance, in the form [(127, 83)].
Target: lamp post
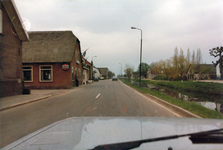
[(121, 69), (140, 55), (92, 68)]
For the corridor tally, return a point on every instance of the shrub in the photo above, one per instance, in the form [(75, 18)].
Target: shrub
[(160, 77)]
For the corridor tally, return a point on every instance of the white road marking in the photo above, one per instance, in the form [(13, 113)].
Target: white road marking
[(154, 101), (98, 95)]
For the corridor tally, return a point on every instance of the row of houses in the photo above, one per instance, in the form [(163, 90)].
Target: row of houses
[(40, 59), (193, 72)]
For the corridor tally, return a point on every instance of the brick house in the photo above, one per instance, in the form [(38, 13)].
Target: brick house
[(97, 73), (87, 70), (12, 34), (104, 72), (52, 60)]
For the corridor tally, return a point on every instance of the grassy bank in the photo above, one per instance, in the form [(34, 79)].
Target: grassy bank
[(190, 86), (190, 106)]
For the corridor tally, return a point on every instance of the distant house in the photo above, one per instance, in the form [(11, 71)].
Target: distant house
[(201, 71), (150, 74), (52, 60), (12, 34), (218, 74), (97, 72), (104, 72), (87, 70)]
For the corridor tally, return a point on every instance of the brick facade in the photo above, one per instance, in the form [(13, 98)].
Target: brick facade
[(10, 58), (44, 53), (77, 66), (61, 79)]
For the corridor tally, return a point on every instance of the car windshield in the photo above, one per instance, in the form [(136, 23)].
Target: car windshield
[(102, 58)]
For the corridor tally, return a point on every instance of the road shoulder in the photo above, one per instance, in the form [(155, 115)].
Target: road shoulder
[(176, 109)]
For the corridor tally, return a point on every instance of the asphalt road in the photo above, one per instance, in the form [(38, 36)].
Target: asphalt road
[(103, 98)]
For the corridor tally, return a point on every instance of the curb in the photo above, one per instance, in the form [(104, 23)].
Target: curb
[(23, 103), (174, 107), (179, 110)]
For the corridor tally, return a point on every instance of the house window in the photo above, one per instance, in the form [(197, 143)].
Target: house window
[(27, 73), (72, 73), (79, 71), (1, 22), (46, 74)]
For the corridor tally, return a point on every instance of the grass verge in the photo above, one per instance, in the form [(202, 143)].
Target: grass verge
[(190, 106), (190, 86)]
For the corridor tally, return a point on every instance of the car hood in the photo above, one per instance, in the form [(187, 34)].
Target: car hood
[(88, 132)]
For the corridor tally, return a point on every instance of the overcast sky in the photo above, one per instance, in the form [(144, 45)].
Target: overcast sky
[(104, 27)]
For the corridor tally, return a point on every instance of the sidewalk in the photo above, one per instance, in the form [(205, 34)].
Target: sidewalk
[(13, 101)]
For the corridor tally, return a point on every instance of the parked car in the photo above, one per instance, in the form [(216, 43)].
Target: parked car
[(96, 79), (101, 78), (114, 79)]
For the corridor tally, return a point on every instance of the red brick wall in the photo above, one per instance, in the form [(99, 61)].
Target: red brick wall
[(90, 70), (61, 78), (10, 59), (78, 66)]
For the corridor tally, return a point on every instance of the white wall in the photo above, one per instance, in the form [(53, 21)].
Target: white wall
[(97, 73), (1, 22), (218, 71)]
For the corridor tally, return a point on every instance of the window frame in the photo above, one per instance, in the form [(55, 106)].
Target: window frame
[(79, 74), (72, 73), (40, 73), (1, 21), (27, 70)]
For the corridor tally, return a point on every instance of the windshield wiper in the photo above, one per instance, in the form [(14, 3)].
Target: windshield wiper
[(204, 137)]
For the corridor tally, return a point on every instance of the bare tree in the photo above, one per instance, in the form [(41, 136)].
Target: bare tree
[(199, 56), (193, 60), (188, 55), (181, 63), (217, 52), (175, 59), (110, 74)]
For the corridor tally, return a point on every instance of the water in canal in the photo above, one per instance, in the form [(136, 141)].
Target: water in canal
[(214, 102)]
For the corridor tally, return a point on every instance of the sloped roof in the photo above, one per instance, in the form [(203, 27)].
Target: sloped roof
[(97, 69), (49, 46), (15, 18), (104, 71), (198, 67)]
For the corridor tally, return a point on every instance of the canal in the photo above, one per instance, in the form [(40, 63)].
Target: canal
[(213, 102)]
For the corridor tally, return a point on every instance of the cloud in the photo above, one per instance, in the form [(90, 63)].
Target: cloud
[(104, 26)]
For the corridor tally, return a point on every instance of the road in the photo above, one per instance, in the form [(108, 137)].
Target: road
[(103, 98)]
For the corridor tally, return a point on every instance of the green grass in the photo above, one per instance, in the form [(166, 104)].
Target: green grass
[(190, 86), (190, 106)]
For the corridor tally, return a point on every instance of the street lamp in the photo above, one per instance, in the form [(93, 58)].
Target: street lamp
[(92, 67), (121, 69), (140, 55)]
